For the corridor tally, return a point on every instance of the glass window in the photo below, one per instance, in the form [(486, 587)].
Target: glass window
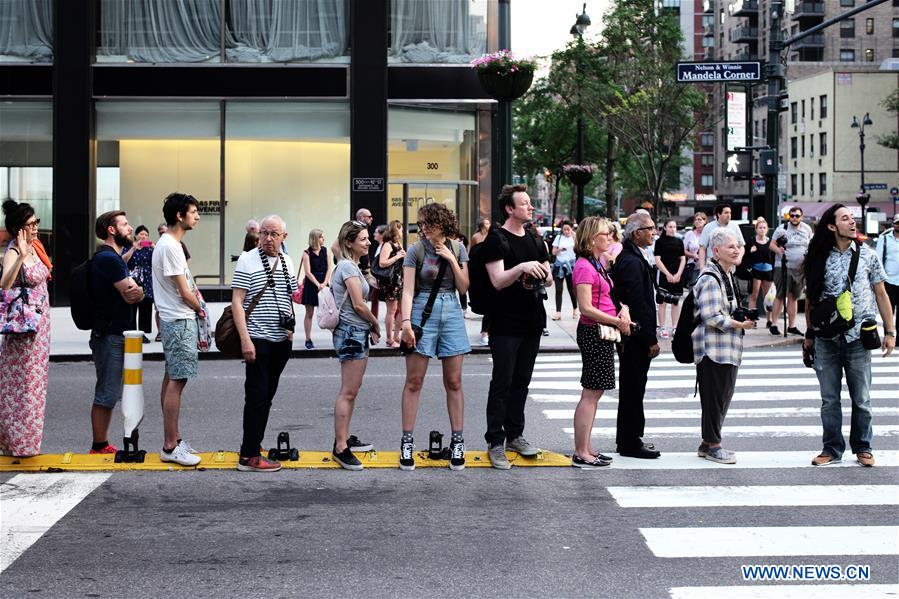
[(437, 31), (26, 160), (147, 150), (802, 112), (708, 160), (895, 27), (822, 106), (822, 184), (26, 31), (811, 107), (895, 52), (847, 28), (802, 145), (802, 184), (869, 26), (822, 143), (290, 159), (793, 146), (793, 113), (811, 184), (847, 3), (847, 55), (254, 32), (869, 54), (707, 181), (811, 145), (794, 190), (707, 139)]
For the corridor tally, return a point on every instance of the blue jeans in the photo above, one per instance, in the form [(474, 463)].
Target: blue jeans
[(109, 361), (832, 357), (444, 335)]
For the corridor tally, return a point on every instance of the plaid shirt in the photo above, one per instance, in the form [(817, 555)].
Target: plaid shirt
[(715, 335)]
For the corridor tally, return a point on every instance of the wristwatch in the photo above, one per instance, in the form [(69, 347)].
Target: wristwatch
[(890, 333)]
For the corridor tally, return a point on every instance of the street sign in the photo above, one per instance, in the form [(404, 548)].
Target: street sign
[(707, 72), (870, 186), (738, 164), (894, 191)]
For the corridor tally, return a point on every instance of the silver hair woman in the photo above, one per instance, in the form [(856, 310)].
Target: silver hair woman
[(718, 341)]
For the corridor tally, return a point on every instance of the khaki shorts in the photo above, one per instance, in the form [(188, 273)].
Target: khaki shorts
[(795, 282)]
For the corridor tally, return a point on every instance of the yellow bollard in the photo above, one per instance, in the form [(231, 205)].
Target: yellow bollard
[(132, 396)]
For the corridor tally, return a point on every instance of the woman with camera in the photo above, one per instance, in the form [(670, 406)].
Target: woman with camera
[(602, 320), (357, 327), (141, 267), (718, 341), (434, 274), (670, 261)]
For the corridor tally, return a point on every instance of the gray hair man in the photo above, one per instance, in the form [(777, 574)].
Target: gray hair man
[(634, 288)]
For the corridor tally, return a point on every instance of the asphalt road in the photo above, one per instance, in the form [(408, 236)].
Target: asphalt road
[(633, 530)]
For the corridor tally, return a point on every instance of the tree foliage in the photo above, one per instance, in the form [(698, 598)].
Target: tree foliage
[(891, 104)]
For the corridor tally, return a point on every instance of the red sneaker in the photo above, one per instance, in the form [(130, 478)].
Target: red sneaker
[(110, 448), (258, 464)]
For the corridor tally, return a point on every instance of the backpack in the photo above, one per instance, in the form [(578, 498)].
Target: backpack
[(82, 296), (482, 295), (328, 314), (682, 342), (378, 271)]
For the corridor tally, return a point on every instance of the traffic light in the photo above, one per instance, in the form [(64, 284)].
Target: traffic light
[(738, 165)]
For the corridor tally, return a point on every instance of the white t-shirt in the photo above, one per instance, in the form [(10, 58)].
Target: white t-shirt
[(566, 248), (705, 240), (169, 260)]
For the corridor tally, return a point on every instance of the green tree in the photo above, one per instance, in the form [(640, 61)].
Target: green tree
[(891, 104)]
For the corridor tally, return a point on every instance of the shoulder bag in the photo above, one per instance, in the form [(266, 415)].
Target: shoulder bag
[(227, 339), (832, 316)]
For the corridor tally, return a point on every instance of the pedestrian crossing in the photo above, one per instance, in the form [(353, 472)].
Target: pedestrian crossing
[(776, 400)]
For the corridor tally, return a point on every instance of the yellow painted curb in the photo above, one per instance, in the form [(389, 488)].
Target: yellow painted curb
[(227, 460)]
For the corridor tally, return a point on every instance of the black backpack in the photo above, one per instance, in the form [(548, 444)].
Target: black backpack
[(682, 342), (82, 298), (481, 293)]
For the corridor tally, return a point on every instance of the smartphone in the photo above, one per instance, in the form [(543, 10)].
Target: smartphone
[(146, 243)]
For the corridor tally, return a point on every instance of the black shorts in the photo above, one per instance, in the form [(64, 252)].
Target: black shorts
[(763, 276), (597, 358)]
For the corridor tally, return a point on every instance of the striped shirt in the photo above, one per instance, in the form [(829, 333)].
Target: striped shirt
[(249, 274), (715, 335)]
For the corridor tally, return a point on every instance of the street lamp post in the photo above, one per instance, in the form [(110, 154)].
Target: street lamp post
[(863, 195), (577, 31)]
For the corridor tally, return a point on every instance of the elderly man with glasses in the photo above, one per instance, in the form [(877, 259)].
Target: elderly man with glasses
[(790, 242), (634, 288)]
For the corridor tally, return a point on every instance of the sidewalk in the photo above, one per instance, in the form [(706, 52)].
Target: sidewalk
[(69, 344)]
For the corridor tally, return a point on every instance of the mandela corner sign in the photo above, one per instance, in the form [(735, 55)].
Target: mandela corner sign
[(706, 72)]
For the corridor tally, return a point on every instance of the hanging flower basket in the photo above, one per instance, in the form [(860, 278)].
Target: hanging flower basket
[(579, 174), (503, 75)]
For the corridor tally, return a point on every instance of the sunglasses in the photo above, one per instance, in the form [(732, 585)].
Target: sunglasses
[(359, 224), (795, 216), (33, 223)]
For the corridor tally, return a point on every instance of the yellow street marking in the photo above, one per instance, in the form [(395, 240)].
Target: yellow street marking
[(227, 460)]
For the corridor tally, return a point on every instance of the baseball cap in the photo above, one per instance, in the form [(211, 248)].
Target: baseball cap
[(896, 219)]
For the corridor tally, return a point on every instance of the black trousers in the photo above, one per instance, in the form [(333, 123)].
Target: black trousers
[(632, 373), (558, 283), (260, 387), (145, 315), (716, 389), (893, 294), (513, 365)]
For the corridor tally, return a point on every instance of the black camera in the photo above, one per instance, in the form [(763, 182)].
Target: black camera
[(288, 323), (535, 284), (781, 241), (742, 314)]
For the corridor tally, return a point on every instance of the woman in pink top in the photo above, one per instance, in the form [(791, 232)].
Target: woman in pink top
[(594, 297)]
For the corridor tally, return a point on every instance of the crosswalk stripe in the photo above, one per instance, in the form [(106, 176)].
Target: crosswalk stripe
[(755, 496), (788, 591), (746, 460), (690, 372), (656, 364), (784, 412), (687, 383), (733, 541), (33, 503), (611, 397), (880, 430), (668, 356)]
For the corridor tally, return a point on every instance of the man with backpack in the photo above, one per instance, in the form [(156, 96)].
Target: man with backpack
[(115, 295), (517, 268)]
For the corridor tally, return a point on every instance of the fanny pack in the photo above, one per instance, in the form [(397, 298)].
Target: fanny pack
[(832, 316)]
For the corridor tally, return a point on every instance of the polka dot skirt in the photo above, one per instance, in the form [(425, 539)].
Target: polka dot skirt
[(597, 359)]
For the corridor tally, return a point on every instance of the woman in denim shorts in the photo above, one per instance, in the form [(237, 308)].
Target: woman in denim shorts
[(443, 336), (357, 327)]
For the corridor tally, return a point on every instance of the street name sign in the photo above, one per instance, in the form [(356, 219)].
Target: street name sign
[(874, 186), (707, 72)]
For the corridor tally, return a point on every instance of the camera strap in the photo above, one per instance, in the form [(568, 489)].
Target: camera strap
[(731, 290), (605, 275), (271, 278), (435, 289)]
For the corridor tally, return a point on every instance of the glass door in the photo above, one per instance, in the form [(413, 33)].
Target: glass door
[(407, 197)]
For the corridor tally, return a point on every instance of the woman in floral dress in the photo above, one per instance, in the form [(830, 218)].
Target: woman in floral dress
[(24, 359)]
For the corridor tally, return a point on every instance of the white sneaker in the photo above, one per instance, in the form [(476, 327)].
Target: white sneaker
[(187, 446), (179, 455)]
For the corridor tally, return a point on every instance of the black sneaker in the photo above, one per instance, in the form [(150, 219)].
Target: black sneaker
[(457, 455), (774, 330), (795, 331), (359, 446), (407, 457), (346, 459)]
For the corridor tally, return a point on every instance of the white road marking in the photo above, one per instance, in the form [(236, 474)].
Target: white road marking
[(690, 372), (782, 412), (788, 591), (733, 541), (746, 460), (880, 430), (33, 503), (668, 356), (758, 496), (689, 383), (611, 397), (892, 361)]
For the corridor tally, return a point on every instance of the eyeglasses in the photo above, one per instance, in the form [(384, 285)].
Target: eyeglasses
[(422, 224), (646, 229), (368, 216), (272, 234), (33, 223), (795, 216)]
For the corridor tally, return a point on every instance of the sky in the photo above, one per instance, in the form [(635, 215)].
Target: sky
[(541, 26)]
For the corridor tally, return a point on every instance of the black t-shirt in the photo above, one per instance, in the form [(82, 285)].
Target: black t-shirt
[(761, 255), (519, 311), (108, 268), (669, 250)]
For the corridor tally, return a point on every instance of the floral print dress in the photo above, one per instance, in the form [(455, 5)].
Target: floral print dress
[(24, 364)]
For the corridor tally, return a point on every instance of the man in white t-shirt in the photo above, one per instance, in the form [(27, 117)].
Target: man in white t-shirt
[(790, 242), (178, 306), (722, 219)]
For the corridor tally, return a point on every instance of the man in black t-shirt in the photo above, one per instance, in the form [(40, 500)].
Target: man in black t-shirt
[(518, 266), (115, 294)]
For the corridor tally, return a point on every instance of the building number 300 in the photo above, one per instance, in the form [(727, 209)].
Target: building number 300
[(433, 166)]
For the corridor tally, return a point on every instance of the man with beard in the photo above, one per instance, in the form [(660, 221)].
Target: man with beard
[(115, 294)]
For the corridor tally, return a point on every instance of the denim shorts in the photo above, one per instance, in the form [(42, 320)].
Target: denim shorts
[(109, 362), (444, 335), (350, 342), (179, 345)]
